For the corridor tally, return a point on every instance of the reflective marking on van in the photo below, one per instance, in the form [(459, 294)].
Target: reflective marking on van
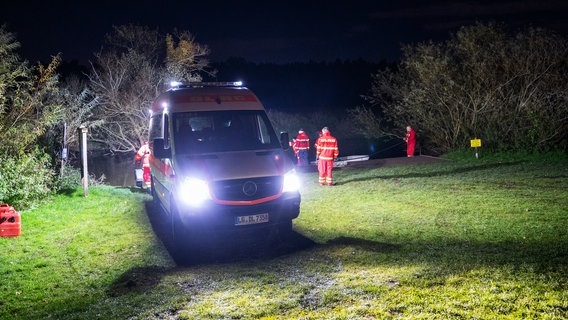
[(247, 203), (214, 98), (158, 164)]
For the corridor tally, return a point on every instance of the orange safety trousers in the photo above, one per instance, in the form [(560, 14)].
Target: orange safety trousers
[(325, 168)]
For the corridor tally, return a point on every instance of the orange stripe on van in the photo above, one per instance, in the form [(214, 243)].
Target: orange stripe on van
[(247, 203), (189, 98)]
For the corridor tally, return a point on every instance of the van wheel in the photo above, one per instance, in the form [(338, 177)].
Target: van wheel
[(185, 250), (177, 236), (285, 229)]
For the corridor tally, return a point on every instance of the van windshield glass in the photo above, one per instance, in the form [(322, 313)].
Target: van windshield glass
[(218, 131)]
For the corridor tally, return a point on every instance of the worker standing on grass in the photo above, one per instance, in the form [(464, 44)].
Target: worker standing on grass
[(143, 155), (295, 149), (326, 153), (410, 139), (302, 147)]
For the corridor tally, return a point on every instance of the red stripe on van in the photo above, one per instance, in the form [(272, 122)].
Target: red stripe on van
[(158, 164)]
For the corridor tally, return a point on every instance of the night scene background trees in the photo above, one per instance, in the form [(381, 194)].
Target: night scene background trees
[(506, 87)]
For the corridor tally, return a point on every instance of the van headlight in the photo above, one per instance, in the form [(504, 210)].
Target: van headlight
[(194, 191), (291, 182)]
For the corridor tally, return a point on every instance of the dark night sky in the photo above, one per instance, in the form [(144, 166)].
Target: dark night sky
[(268, 31)]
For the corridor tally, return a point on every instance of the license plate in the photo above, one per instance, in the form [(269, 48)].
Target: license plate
[(252, 219)]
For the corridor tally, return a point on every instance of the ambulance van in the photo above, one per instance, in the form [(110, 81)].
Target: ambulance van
[(217, 164)]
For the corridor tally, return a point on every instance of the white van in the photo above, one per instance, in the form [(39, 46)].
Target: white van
[(217, 164)]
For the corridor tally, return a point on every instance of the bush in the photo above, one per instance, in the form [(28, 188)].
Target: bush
[(484, 82), (26, 179), (312, 123), (70, 179)]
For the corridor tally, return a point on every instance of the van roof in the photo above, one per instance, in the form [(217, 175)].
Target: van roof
[(207, 98)]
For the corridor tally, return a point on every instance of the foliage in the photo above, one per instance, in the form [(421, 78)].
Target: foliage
[(29, 106), (25, 179), (70, 179), (185, 57), (130, 73), (311, 123), (79, 102), (482, 83), (27, 98), (462, 239), (369, 123)]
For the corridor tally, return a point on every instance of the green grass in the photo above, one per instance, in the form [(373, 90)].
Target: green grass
[(468, 238)]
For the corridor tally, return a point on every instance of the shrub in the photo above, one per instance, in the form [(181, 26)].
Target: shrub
[(25, 180), (70, 179)]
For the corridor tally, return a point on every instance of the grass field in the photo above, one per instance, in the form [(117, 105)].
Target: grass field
[(463, 239)]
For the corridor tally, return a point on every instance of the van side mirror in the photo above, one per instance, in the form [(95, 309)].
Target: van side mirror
[(159, 149), (284, 140)]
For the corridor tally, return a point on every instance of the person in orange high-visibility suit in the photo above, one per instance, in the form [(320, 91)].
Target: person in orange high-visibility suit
[(410, 139), (302, 147), (326, 153), (293, 145), (143, 155)]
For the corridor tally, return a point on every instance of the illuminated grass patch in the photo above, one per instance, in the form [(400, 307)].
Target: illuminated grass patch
[(484, 239)]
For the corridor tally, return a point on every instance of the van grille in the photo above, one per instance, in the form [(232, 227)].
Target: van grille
[(247, 189)]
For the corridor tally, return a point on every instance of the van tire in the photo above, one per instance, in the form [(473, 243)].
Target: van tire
[(178, 236), (184, 241), (285, 229)]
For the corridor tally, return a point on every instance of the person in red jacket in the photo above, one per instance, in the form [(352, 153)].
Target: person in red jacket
[(302, 147), (143, 155), (295, 149), (326, 153), (410, 139)]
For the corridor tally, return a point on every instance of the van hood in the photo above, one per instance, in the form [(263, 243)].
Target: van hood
[(234, 165)]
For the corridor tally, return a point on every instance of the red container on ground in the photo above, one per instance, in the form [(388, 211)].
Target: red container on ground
[(10, 221)]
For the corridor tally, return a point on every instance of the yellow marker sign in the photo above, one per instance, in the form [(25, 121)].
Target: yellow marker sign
[(475, 143)]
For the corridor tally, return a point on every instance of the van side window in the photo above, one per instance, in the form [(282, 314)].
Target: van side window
[(264, 131), (166, 131), (156, 127)]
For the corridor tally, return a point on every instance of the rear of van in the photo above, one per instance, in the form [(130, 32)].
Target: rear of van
[(217, 164)]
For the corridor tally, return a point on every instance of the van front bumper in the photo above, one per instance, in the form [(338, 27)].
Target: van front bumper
[(216, 217)]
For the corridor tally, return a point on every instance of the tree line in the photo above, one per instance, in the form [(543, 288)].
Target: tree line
[(509, 89)]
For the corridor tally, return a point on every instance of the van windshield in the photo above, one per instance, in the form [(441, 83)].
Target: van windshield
[(218, 131)]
